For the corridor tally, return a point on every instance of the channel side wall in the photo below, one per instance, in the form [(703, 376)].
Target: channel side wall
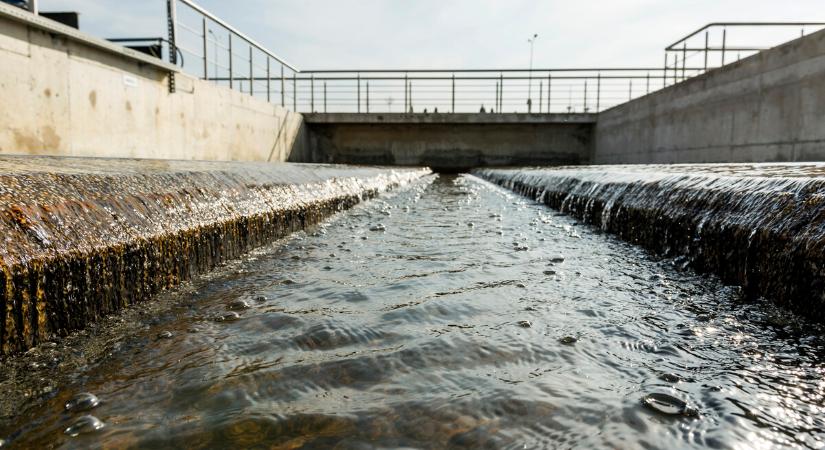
[(448, 142), (63, 92), (759, 226), (85, 237), (767, 107)]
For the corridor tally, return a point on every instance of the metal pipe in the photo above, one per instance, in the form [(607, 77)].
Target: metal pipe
[(647, 84), (684, 58), (34, 7), (585, 95), (540, 95), (406, 100), (598, 91), (358, 78), (283, 97), (664, 73), (496, 100), (724, 42), (453, 98), (294, 92), (312, 94), (268, 80), (549, 91), (707, 33), (500, 91), (325, 96), (232, 30), (205, 58), (251, 74), (231, 73), (368, 97), (630, 91)]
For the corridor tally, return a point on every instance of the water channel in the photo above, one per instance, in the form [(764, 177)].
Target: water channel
[(450, 314)]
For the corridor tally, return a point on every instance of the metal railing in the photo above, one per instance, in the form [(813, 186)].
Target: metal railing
[(224, 55), (236, 59), (538, 91), (715, 44)]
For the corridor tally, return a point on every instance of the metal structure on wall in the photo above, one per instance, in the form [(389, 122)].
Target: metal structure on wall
[(224, 55)]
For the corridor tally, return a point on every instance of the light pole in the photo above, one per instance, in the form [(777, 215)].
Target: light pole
[(532, 41)]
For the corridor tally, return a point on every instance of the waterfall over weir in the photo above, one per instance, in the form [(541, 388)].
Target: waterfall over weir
[(85, 237), (761, 226)]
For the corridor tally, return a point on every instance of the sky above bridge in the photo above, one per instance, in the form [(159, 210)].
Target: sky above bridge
[(363, 34)]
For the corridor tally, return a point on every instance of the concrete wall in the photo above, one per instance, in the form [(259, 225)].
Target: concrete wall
[(64, 93), (768, 107), (448, 142)]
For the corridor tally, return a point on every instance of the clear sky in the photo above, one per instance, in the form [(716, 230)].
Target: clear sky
[(319, 34)]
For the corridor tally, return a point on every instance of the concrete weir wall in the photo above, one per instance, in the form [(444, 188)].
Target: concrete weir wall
[(761, 227), (448, 142), (84, 237), (63, 92), (767, 107)]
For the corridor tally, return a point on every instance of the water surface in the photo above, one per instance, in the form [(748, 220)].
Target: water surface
[(453, 314)]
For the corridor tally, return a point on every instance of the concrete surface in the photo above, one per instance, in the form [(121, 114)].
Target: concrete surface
[(448, 142), (767, 107), (67, 93), (84, 237)]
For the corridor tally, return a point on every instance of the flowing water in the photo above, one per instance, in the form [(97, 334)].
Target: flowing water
[(453, 314)]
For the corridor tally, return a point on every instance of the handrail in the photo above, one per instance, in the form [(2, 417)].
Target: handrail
[(233, 30), (742, 24)]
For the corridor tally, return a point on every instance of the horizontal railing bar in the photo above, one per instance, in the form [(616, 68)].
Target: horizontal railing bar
[(588, 69), (535, 79), (232, 29)]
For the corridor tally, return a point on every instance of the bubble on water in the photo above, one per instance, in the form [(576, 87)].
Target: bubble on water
[(83, 425), (525, 323), (670, 377), (557, 259), (530, 308), (165, 335), (668, 405), (549, 272), (378, 227), (261, 298), (83, 401), (521, 248), (238, 305), (470, 224), (231, 316), (520, 285), (568, 340), (327, 267)]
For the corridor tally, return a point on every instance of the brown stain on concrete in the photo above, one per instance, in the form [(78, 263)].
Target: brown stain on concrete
[(46, 142), (93, 98), (47, 92), (128, 106)]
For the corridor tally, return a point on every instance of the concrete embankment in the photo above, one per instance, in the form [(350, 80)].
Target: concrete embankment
[(759, 226), (86, 237)]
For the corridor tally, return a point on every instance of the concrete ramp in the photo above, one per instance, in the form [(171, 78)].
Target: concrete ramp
[(87, 237)]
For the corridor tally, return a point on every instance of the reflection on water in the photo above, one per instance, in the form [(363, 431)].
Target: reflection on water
[(452, 315)]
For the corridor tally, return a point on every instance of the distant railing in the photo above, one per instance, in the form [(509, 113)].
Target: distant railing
[(715, 46), (226, 56)]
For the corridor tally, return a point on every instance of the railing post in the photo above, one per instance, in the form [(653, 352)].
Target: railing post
[(172, 24), (664, 73), (231, 73), (251, 73), (647, 84), (706, 50), (629, 90), (205, 58), (411, 99), (724, 42), (549, 91), (34, 8), (368, 97), (283, 95), (268, 81), (496, 101), (312, 93), (500, 92), (585, 95), (540, 95), (358, 80), (325, 96), (406, 99), (453, 100), (684, 58), (294, 91), (598, 91)]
